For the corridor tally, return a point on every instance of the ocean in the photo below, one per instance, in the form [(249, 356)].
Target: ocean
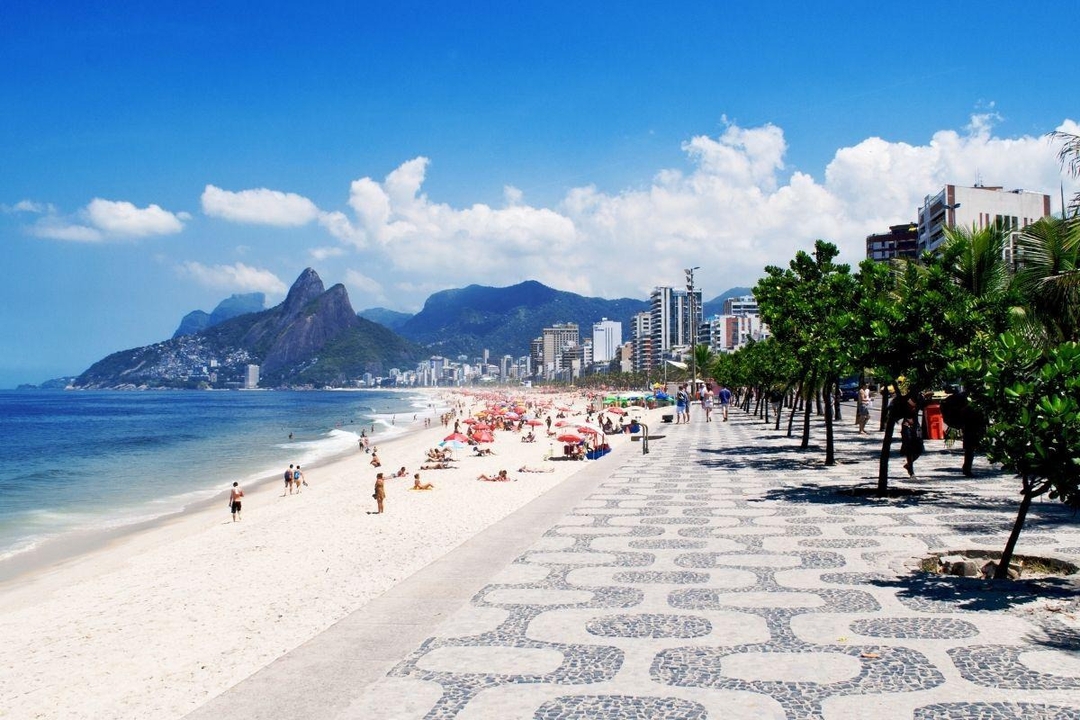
[(82, 461)]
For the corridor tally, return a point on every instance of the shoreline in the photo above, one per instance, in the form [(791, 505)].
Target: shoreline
[(161, 620), (67, 546)]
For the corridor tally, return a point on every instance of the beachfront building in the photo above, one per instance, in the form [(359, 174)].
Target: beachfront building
[(675, 316), (728, 333), (554, 341), (643, 358), (606, 339), (902, 241), (741, 305), (979, 207), (251, 377)]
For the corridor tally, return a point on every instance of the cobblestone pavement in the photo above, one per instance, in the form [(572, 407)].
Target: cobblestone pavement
[(723, 575)]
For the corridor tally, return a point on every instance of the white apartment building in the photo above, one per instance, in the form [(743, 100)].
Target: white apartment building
[(606, 339), (979, 207)]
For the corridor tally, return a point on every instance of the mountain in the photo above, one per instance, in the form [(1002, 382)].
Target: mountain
[(504, 320), (313, 338), (716, 305), (234, 306), (388, 318)]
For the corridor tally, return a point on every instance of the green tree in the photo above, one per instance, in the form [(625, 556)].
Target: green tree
[(1033, 399), (808, 309)]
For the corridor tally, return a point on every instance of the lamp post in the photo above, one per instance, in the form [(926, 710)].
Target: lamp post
[(693, 330)]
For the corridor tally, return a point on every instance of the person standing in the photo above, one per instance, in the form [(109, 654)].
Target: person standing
[(725, 400), (680, 404), (380, 492), (288, 481), (707, 403), (235, 494), (298, 479), (862, 409)]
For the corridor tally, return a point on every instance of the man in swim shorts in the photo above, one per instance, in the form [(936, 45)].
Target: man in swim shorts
[(234, 500)]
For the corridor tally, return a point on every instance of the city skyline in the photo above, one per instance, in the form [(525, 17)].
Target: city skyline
[(157, 161)]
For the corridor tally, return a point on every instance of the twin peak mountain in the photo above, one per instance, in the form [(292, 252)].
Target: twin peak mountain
[(315, 338)]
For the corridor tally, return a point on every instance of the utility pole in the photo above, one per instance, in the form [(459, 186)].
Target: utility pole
[(693, 330)]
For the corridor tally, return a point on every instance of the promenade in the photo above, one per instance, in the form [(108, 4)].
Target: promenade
[(721, 575)]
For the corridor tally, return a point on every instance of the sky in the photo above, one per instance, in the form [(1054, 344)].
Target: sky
[(156, 158)]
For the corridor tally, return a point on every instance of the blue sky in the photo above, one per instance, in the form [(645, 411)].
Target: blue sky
[(158, 157)]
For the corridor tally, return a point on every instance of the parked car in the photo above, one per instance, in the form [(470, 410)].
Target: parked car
[(849, 389)]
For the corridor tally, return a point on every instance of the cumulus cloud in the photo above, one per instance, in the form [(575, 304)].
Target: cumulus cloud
[(27, 206), (734, 207), (234, 278), (103, 220), (123, 219), (259, 206)]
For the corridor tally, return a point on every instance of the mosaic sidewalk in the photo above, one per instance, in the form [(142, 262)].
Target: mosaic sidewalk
[(723, 576)]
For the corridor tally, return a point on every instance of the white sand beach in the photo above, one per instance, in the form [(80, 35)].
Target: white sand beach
[(161, 620)]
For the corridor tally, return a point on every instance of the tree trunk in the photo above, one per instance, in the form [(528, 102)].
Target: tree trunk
[(794, 409), (811, 392), (884, 410), (830, 453), (836, 402), (886, 450), (1002, 572)]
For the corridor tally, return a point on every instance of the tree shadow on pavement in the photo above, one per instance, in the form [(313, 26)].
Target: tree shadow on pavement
[(946, 593)]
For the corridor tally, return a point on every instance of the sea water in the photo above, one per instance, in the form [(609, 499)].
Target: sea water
[(75, 461)]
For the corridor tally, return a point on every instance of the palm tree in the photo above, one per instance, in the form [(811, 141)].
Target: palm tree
[(975, 258), (1049, 277)]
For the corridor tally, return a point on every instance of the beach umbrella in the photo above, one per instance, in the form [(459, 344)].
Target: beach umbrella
[(481, 426), (534, 422), (469, 421), (616, 411), (456, 436), (563, 423), (453, 444), (589, 429), (484, 437), (569, 438)]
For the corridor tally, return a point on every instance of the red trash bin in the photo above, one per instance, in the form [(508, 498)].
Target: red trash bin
[(935, 425)]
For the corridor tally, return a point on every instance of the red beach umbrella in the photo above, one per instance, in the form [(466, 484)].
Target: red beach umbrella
[(469, 421), (456, 436), (588, 430), (569, 438), (534, 423), (483, 437)]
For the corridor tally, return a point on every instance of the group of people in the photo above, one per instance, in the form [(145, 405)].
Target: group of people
[(294, 480), (706, 397)]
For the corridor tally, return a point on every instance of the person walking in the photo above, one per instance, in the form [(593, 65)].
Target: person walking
[(288, 481), (725, 400), (235, 495)]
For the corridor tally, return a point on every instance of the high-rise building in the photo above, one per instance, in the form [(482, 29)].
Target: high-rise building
[(251, 377), (741, 305), (556, 339), (901, 241), (979, 207), (644, 359), (606, 339), (675, 319)]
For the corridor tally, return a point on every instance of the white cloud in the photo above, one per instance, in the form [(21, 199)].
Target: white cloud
[(28, 206), (368, 286), (259, 207), (54, 228), (732, 209), (103, 221), (322, 253), (123, 219), (234, 278)]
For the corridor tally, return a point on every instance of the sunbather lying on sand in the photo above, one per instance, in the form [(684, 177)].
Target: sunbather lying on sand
[(501, 477), (438, 466), (526, 468)]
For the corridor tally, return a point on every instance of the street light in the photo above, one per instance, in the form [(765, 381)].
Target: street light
[(693, 330)]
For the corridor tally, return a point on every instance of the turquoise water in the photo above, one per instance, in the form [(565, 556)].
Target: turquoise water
[(77, 461)]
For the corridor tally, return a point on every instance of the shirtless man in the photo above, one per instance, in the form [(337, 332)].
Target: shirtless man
[(234, 500), (288, 481)]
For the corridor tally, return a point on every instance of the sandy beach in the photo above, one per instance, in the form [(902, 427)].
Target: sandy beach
[(161, 620)]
